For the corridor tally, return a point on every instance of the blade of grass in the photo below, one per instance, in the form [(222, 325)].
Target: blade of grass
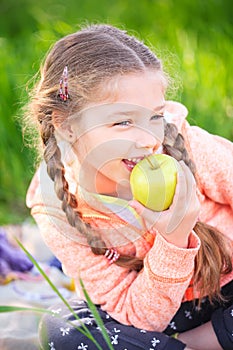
[(11, 308), (96, 315), (85, 330), (90, 303)]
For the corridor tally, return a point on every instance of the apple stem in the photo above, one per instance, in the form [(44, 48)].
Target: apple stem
[(153, 166)]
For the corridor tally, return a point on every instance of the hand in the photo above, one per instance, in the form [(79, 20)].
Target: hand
[(175, 223)]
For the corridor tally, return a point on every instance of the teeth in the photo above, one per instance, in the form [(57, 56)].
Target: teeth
[(134, 160)]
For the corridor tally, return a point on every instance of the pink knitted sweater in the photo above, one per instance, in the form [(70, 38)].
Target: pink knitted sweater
[(148, 299)]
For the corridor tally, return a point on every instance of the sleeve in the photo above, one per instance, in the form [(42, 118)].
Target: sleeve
[(148, 299), (213, 156)]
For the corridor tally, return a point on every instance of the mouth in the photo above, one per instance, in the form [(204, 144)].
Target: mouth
[(131, 162)]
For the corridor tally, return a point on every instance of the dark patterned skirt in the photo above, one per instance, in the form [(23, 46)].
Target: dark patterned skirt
[(62, 331)]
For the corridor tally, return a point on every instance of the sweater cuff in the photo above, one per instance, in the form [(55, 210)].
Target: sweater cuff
[(167, 261)]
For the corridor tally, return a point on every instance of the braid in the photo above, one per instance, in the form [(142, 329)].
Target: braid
[(174, 145), (56, 172), (214, 258)]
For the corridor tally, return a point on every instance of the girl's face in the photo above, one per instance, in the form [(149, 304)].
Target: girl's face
[(112, 136)]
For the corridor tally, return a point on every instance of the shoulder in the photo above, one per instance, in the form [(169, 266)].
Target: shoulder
[(195, 136), (213, 156), (41, 189), (175, 112)]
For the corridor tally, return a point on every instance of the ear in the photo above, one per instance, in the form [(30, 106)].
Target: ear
[(66, 132), (63, 129)]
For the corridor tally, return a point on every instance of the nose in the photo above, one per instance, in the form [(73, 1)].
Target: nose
[(146, 140)]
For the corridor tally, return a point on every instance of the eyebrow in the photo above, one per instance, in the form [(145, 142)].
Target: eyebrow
[(158, 108), (122, 113), (132, 112)]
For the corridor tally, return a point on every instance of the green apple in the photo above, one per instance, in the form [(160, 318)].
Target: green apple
[(153, 181)]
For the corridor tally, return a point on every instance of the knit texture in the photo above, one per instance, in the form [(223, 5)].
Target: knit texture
[(148, 299)]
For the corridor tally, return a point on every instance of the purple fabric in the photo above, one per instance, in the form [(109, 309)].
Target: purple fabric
[(12, 258)]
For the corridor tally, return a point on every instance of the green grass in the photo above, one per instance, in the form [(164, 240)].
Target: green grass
[(82, 329), (194, 39)]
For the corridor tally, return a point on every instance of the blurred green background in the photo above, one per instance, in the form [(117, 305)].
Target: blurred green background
[(193, 38)]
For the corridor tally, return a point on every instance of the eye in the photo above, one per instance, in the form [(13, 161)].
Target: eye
[(156, 117), (124, 123)]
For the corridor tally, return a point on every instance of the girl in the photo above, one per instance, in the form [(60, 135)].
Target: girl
[(100, 108)]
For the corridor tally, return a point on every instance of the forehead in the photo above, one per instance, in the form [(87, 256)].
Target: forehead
[(144, 89), (104, 114), (129, 95)]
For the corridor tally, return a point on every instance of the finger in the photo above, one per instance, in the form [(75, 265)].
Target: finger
[(178, 207), (190, 182), (188, 208), (137, 206), (192, 205), (192, 200), (181, 187)]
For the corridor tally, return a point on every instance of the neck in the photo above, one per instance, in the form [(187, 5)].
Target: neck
[(98, 183)]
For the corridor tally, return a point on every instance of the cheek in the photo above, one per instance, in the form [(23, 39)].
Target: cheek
[(104, 152), (80, 148), (158, 131), (87, 143), (160, 135), (93, 149)]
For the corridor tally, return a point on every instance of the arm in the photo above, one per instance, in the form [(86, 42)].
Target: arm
[(213, 156), (148, 299)]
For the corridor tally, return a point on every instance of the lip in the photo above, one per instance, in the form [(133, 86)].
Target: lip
[(130, 163)]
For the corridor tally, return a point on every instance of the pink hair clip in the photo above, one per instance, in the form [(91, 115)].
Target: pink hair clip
[(112, 255), (64, 82)]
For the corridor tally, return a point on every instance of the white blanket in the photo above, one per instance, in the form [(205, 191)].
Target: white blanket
[(19, 329)]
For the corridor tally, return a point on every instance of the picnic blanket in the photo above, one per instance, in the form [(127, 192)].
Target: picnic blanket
[(22, 285)]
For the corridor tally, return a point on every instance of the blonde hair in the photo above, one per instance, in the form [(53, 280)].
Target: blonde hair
[(94, 56)]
